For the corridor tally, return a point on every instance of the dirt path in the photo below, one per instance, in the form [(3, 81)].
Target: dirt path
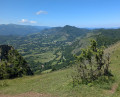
[(114, 88), (28, 94)]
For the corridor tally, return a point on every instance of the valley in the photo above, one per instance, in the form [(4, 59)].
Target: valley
[(55, 47), (60, 86), (59, 48)]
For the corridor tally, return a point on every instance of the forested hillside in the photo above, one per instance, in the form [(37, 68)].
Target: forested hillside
[(107, 36), (12, 64)]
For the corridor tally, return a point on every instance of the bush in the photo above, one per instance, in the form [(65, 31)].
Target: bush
[(91, 65)]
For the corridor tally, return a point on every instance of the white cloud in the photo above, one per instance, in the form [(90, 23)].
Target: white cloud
[(41, 12), (27, 21), (24, 21)]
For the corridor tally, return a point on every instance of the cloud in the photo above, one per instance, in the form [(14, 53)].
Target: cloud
[(41, 12), (27, 21), (24, 21)]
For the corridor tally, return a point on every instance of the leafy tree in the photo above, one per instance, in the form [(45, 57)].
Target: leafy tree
[(92, 64)]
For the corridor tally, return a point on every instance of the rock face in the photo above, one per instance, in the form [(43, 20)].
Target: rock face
[(12, 64)]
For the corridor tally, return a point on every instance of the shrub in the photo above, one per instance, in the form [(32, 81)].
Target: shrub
[(91, 65)]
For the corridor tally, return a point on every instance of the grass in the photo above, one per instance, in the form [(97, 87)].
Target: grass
[(116, 69), (46, 83), (47, 71), (44, 57), (56, 83), (59, 83)]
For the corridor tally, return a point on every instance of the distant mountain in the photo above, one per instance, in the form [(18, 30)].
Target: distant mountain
[(13, 29), (66, 33), (12, 64)]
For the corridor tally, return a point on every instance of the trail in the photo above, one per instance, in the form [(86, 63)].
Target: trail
[(114, 88), (28, 94)]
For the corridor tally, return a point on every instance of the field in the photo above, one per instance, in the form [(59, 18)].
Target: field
[(44, 57), (59, 83)]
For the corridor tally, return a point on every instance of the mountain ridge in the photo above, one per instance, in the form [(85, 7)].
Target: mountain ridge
[(15, 29)]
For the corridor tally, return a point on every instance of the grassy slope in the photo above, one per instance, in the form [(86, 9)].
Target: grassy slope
[(56, 83), (115, 67), (43, 57), (59, 82)]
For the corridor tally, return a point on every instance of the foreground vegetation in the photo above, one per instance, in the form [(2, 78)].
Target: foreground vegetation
[(12, 64), (92, 64), (59, 83)]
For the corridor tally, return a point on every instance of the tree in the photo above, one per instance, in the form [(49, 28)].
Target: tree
[(91, 64)]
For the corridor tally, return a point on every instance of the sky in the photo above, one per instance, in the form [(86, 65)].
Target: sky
[(79, 13)]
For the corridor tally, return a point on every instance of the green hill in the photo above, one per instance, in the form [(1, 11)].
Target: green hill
[(59, 84)]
